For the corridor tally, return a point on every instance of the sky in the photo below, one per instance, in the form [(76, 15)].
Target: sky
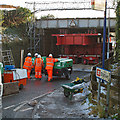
[(60, 14)]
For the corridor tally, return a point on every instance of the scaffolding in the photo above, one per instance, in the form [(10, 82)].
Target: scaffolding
[(33, 33), (34, 36)]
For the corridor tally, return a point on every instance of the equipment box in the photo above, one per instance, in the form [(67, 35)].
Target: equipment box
[(16, 75)]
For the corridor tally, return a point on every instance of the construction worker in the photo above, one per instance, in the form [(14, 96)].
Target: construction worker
[(28, 64), (35, 56), (49, 65), (38, 66)]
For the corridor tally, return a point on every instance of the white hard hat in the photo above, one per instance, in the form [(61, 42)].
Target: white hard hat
[(29, 54), (50, 55), (39, 56), (36, 54)]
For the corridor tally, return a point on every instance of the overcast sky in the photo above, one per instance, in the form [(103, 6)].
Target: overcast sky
[(60, 14)]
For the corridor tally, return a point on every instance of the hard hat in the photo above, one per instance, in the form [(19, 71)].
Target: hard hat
[(39, 56), (50, 55), (36, 54), (29, 54)]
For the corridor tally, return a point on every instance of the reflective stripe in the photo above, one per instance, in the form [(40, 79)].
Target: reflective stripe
[(28, 61), (38, 64), (49, 65), (49, 62), (49, 77), (26, 66)]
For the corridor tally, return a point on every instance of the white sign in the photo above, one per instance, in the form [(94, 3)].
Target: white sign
[(103, 74), (98, 4), (19, 74)]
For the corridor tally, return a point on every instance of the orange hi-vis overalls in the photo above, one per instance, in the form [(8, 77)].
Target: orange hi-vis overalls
[(38, 67), (49, 66), (28, 65)]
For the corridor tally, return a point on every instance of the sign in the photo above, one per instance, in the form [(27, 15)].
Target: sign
[(72, 24), (98, 4), (103, 74), (19, 74)]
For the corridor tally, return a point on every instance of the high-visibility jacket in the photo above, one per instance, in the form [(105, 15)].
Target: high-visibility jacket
[(50, 62), (38, 63), (28, 63)]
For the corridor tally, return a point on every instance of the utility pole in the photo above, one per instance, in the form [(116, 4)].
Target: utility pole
[(104, 36)]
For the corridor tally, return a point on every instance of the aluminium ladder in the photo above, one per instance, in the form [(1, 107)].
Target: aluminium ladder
[(7, 57)]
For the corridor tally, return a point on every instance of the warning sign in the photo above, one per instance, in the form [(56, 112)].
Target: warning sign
[(103, 74)]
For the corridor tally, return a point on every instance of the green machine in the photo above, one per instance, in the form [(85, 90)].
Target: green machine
[(1, 67), (62, 68)]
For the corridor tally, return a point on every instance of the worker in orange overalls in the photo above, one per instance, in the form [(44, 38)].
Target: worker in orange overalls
[(28, 64), (49, 66), (35, 56), (38, 66)]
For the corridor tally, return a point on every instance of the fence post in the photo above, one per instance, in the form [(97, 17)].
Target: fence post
[(99, 89), (108, 96)]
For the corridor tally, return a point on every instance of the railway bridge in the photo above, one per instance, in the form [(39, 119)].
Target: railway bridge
[(46, 27)]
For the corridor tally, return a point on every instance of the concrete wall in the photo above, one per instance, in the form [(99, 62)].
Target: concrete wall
[(10, 88)]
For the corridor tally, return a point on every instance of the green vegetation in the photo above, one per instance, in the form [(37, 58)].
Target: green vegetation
[(1, 17), (16, 17), (1, 21), (49, 16), (14, 35)]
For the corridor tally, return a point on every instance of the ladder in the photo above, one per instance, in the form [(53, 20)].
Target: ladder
[(7, 57)]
